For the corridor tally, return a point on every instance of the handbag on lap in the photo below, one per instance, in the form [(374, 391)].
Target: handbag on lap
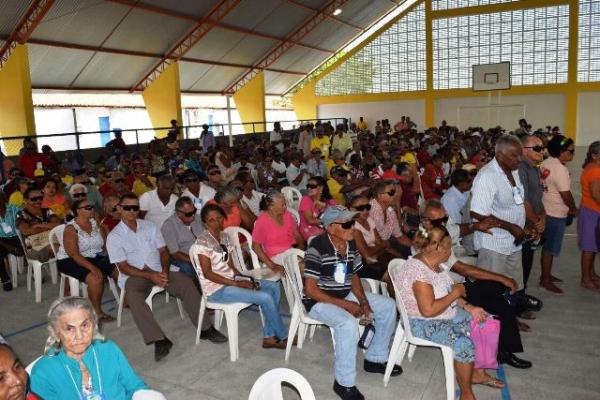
[(485, 336)]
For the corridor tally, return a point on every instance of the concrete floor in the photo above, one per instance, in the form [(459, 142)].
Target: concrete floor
[(564, 346)]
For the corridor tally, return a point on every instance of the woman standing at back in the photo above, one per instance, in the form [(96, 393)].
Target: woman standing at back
[(588, 223)]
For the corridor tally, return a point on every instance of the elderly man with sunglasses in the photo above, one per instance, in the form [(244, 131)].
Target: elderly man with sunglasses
[(138, 249), (334, 296)]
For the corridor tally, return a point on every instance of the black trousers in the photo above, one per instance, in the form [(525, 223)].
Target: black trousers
[(13, 242), (489, 296), (527, 254)]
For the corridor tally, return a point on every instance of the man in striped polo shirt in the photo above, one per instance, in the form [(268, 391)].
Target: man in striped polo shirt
[(334, 296)]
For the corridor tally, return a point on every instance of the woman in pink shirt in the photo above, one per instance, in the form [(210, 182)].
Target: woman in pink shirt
[(315, 201), (275, 231)]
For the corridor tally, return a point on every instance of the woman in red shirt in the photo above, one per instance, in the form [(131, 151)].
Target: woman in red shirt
[(433, 180)]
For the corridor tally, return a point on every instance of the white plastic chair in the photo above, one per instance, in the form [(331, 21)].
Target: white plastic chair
[(16, 267), (371, 285), (404, 339), (155, 290), (292, 197), (295, 214), (233, 233), (56, 235), (300, 319), (268, 385), (34, 271), (29, 367), (147, 394), (231, 311)]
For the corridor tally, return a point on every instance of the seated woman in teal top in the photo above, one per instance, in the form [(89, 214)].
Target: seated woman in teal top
[(79, 363)]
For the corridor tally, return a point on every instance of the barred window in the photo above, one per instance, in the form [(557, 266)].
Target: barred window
[(589, 41), (450, 4), (535, 41), (392, 62)]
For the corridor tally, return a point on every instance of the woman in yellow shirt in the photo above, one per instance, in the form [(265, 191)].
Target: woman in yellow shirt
[(16, 197)]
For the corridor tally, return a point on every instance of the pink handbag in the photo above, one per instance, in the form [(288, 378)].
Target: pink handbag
[(485, 336)]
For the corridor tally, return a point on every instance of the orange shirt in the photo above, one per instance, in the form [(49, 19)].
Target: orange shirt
[(233, 219), (588, 175)]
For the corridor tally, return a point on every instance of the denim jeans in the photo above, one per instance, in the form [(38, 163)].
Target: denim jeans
[(185, 267), (345, 331), (267, 298)]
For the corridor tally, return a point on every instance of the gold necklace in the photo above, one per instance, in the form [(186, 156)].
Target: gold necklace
[(428, 263)]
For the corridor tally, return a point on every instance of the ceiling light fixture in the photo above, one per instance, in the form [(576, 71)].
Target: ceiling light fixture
[(337, 11)]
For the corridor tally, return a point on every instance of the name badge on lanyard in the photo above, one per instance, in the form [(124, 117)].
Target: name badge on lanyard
[(6, 228), (438, 180), (95, 396), (517, 195), (341, 268)]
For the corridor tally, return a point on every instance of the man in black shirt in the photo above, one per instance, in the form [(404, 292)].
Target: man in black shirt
[(334, 296)]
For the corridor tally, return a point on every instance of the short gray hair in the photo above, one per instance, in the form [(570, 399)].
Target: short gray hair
[(58, 309), (506, 141), (227, 193), (76, 187)]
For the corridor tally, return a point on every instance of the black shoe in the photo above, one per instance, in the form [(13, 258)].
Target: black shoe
[(162, 348), (513, 361), (379, 368), (347, 393), (213, 335), (7, 286)]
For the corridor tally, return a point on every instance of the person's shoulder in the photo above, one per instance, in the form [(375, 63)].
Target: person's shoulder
[(169, 223), (319, 243), (106, 345), (45, 363)]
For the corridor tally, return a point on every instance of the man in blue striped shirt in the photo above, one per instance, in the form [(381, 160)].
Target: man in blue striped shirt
[(334, 296)]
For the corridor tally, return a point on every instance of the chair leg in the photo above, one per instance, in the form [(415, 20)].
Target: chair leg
[(448, 356), (37, 282), (180, 306), (294, 323), (29, 276), (411, 352), (302, 329), (13, 261), (393, 357), (53, 271), (313, 329), (402, 351), (218, 318), (113, 288), (200, 318), (287, 291), (232, 332), (262, 317), (20, 264), (120, 309), (74, 286)]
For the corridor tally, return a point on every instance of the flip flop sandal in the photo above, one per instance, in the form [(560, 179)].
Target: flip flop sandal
[(494, 383)]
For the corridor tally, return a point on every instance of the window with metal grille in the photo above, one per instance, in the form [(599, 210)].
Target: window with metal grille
[(535, 41), (588, 63), (392, 62), (450, 4)]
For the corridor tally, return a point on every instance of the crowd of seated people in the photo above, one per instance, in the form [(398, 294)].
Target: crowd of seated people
[(367, 197)]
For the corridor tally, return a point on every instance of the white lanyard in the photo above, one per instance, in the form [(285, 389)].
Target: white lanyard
[(97, 372), (336, 252)]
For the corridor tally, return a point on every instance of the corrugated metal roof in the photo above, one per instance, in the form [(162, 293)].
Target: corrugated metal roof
[(75, 29)]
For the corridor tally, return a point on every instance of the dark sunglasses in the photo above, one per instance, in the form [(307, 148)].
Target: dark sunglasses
[(191, 179), (391, 193), (312, 186), (131, 208), (346, 225), (88, 208), (120, 180), (36, 198), (189, 214), (438, 222), (75, 195), (364, 207), (537, 149), (87, 183), (114, 209)]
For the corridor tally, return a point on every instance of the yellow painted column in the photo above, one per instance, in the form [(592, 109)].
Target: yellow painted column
[(16, 102), (304, 102), (429, 99), (163, 100), (250, 103), (571, 96)]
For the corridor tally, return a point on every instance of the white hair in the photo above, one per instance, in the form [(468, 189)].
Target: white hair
[(506, 141), (76, 187)]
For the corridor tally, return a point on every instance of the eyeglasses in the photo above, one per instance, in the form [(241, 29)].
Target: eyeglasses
[(192, 179), (312, 186), (391, 193), (119, 180), (88, 208), (131, 208), (189, 214), (438, 221), (82, 194), (36, 198), (346, 225), (537, 149), (364, 207)]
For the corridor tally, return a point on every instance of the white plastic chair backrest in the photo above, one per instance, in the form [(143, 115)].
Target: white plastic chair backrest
[(295, 214), (56, 235), (194, 258), (233, 233), (29, 367), (292, 196), (394, 268), (268, 385), (146, 394), (292, 271)]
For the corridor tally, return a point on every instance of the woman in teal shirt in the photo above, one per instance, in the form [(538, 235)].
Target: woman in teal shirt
[(79, 364)]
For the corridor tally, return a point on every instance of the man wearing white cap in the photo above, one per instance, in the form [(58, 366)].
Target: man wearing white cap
[(334, 296)]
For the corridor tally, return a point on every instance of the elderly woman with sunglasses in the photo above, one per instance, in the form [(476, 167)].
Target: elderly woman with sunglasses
[(79, 363), (82, 254), (217, 277)]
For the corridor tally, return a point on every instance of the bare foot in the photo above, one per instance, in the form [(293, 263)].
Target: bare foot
[(551, 287), (555, 279), (591, 285)]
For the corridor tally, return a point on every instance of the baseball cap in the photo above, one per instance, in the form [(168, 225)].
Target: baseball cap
[(337, 214)]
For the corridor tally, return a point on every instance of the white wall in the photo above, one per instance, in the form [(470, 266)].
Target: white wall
[(588, 119), (376, 110), (539, 110)]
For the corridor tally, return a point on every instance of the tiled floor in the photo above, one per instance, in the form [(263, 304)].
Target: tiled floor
[(564, 346)]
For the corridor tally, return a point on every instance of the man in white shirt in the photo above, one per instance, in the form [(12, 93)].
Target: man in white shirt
[(199, 192), (457, 196), (275, 137), (297, 175), (250, 197), (138, 249), (279, 167), (159, 204), (355, 150)]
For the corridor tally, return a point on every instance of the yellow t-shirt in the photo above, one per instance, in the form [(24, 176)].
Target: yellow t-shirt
[(336, 191), (139, 188), (16, 198), (408, 158), (361, 125), (322, 144), (67, 180)]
